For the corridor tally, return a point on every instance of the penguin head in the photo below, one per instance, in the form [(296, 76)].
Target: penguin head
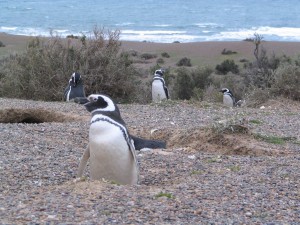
[(98, 102), (226, 91), (159, 72), (75, 78)]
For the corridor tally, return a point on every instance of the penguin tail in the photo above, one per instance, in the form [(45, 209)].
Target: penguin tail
[(239, 103), (140, 143)]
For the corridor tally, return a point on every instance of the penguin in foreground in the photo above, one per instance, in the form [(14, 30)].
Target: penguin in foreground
[(159, 88), (75, 88), (228, 98), (110, 150)]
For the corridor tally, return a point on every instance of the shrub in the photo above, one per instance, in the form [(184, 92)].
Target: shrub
[(184, 85), (72, 36), (244, 60), (165, 55), (184, 62), (228, 52), (212, 94), (287, 81), (257, 96), (160, 61), (43, 71), (147, 56), (1, 44), (201, 77), (226, 66)]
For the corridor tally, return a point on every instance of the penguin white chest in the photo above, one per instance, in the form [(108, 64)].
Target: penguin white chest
[(227, 100), (68, 94), (110, 156), (158, 91)]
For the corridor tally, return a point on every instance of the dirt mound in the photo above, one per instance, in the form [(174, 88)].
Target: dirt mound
[(14, 115), (204, 139)]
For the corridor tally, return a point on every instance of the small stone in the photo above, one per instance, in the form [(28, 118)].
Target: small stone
[(51, 216), (192, 157), (249, 214)]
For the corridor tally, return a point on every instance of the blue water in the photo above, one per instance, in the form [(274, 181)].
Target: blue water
[(157, 21)]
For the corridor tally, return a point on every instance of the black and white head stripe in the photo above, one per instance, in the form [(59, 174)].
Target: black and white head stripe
[(160, 79), (159, 72), (75, 78), (226, 91), (100, 103)]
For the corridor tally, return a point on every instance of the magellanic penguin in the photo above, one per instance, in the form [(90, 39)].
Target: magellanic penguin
[(75, 88), (159, 88), (110, 150), (228, 98)]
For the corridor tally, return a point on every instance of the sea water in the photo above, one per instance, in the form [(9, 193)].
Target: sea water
[(155, 20)]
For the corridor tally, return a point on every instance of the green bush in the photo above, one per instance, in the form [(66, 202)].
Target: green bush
[(43, 71), (165, 55), (147, 56), (184, 84), (228, 52), (184, 62), (287, 81), (1, 44), (160, 61), (226, 66), (201, 77)]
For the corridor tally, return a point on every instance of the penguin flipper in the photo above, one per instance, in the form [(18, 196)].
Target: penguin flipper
[(140, 143), (83, 161), (167, 92)]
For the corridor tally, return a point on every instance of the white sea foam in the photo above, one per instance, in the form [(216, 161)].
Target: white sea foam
[(152, 32), (204, 25), (8, 28), (125, 24), (159, 38), (281, 33), (163, 25)]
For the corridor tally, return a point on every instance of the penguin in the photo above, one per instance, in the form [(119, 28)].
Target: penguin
[(111, 149), (75, 88), (228, 98), (159, 88)]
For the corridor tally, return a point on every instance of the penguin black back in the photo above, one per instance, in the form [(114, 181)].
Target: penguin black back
[(75, 88)]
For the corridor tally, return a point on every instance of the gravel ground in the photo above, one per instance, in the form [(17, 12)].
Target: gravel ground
[(205, 176)]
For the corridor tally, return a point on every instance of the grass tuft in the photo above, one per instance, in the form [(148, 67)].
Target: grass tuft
[(163, 194), (273, 139), (255, 121), (234, 168)]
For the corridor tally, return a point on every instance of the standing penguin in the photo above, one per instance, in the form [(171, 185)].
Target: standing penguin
[(75, 88), (110, 149), (228, 98), (159, 88)]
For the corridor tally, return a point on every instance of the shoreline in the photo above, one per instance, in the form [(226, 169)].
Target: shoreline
[(201, 53)]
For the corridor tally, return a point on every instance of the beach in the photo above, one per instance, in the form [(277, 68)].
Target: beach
[(200, 53)]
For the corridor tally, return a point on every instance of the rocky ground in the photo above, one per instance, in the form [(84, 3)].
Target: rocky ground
[(221, 166)]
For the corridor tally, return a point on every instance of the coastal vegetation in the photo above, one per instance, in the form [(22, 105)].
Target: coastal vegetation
[(43, 69)]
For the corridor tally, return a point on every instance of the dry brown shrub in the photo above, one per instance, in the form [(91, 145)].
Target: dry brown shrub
[(43, 71)]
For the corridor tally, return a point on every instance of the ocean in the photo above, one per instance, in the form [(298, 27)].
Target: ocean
[(163, 21)]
